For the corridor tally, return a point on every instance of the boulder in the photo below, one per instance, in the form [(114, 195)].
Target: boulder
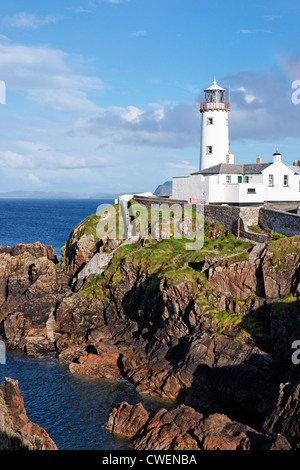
[(17, 432)]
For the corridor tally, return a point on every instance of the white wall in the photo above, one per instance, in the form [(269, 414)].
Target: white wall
[(214, 189), (279, 192), (190, 187)]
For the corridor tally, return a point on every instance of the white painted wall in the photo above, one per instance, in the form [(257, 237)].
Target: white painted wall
[(214, 189), (190, 187), (279, 192), (215, 135)]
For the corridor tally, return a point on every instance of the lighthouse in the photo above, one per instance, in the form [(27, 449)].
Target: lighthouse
[(214, 128)]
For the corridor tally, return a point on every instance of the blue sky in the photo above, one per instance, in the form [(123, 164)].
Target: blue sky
[(103, 95)]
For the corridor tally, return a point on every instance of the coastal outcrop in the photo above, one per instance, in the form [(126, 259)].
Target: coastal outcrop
[(210, 329), (17, 432), (183, 428), (32, 283)]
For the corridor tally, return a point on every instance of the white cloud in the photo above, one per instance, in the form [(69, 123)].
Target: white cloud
[(174, 126), (271, 17), (183, 165), (48, 76), (254, 31), (25, 20), (138, 34)]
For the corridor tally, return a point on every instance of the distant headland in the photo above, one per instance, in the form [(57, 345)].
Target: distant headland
[(55, 195)]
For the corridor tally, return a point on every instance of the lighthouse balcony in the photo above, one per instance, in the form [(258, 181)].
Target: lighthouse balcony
[(207, 106)]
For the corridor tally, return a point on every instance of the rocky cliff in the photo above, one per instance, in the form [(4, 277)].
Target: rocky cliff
[(211, 329), (17, 432)]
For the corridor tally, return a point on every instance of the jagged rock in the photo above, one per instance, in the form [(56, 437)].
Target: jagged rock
[(185, 429), (236, 280), (284, 417), (31, 285), (127, 420), (104, 364), (17, 432)]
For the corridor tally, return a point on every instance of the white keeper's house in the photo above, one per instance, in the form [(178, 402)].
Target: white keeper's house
[(221, 181)]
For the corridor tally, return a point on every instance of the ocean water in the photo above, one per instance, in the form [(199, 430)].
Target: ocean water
[(49, 221), (72, 409)]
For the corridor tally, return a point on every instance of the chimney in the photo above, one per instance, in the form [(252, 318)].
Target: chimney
[(276, 156), (295, 163), (259, 160), (230, 157)]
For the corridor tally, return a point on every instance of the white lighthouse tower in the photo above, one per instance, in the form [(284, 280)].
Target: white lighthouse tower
[(215, 133)]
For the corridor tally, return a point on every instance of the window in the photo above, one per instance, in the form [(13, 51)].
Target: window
[(246, 179), (285, 180), (228, 179), (210, 121), (271, 180), (251, 191), (209, 150), (299, 185)]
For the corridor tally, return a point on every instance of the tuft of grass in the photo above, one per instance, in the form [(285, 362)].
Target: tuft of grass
[(283, 247), (285, 308)]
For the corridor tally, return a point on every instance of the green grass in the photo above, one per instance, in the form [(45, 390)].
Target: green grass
[(170, 259), (283, 247), (285, 308)]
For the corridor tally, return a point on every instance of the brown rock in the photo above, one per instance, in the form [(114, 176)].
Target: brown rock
[(185, 429), (17, 432), (284, 416), (101, 365), (127, 420)]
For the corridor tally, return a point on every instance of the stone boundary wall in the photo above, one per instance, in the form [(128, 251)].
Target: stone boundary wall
[(279, 222), (234, 218), (239, 219)]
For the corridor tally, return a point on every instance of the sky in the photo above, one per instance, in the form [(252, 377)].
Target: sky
[(103, 95)]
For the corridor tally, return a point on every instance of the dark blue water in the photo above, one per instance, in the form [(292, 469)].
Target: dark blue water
[(72, 409), (49, 221)]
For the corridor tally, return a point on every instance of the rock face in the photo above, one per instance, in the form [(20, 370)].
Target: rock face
[(284, 417), (212, 341), (17, 432), (185, 429), (31, 285)]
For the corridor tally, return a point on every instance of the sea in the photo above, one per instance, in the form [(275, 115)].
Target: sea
[(72, 409)]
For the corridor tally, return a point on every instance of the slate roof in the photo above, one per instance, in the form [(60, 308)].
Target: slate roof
[(296, 169), (234, 169)]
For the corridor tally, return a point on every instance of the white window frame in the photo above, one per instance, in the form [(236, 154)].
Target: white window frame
[(228, 179), (271, 181), (246, 179), (286, 181), (210, 121), (209, 150)]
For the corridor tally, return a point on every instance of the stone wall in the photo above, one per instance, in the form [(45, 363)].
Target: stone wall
[(239, 219), (229, 216), (279, 222)]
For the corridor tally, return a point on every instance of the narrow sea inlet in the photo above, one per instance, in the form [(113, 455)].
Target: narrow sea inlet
[(72, 409)]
